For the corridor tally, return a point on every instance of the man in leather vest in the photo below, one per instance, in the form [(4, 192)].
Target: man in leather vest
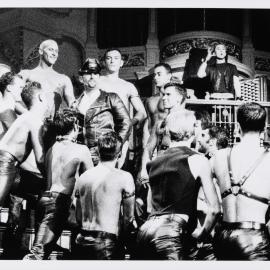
[(175, 177), (100, 111)]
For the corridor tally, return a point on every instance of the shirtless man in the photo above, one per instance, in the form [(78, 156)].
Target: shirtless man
[(24, 135), (101, 192), (173, 100), (63, 161), (110, 82), (243, 177), (11, 86), (49, 79), (154, 105)]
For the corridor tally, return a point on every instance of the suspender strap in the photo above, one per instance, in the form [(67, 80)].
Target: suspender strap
[(236, 189)]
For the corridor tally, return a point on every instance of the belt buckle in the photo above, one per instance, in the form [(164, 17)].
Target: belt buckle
[(235, 190)]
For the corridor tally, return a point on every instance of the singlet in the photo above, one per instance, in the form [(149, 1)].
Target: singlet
[(174, 189), (221, 77), (237, 188)]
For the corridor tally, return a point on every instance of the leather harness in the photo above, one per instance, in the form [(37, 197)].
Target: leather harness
[(236, 188)]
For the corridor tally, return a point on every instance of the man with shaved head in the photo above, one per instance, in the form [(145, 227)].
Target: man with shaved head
[(48, 77), (175, 177)]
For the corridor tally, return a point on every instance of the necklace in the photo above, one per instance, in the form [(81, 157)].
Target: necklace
[(60, 138)]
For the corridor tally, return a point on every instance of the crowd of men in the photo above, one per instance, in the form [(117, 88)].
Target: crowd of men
[(194, 198)]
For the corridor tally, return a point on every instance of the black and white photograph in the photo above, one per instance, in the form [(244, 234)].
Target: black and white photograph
[(134, 132)]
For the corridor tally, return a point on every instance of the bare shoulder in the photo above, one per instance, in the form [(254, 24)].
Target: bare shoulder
[(25, 73), (82, 149), (64, 78), (125, 176), (221, 154), (86, 175), (199, 159), (152, 102), (129, 85)]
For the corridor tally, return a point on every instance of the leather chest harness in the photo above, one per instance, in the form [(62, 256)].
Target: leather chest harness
[(237, 188)]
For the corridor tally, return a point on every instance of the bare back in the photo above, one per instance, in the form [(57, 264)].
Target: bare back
[(101, 190), (241, 208), (17, 140), (63, 161)]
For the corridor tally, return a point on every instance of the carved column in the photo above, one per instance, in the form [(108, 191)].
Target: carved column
[(91, 48), (152, 45), (248, 52)]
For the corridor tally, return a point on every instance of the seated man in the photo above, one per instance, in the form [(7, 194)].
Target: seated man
[(63, 160), (223, 75), (243, 177), (24, 135), (175, 177), (101, 192), (100, 111)]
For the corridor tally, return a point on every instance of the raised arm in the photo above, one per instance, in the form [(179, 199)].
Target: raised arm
[(202, 69)]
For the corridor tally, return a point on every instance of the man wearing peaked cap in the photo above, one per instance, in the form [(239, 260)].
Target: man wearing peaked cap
[(91, 64), (99, 112)]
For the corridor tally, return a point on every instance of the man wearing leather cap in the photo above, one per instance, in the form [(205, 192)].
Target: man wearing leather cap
[(99, 111)]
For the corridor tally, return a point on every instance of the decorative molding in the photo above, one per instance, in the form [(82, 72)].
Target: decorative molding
[(9, 54), (184, 46), (132, 56), (133, 59), (31, 58), (262, 63)]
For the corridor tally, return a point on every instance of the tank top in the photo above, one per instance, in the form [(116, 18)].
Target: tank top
[(174, 189)]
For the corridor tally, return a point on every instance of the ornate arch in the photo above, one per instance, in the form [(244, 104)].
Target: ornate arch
[(9, 54)]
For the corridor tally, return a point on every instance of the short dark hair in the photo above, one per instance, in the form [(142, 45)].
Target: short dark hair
[(221, 134), (29, 91), (204, 117), (7, 79), (251, 116), (179, 89), (111, 49), (64, 121), (108, 146), (165, 65)]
